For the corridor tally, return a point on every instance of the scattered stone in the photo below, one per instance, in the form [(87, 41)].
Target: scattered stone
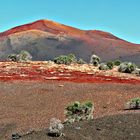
[(131, 134), (16, 136), (51, 78), (61, 85), (77, 128), (99, 129), (31, 131), (104, 107), (56, 128), (23, 75), (108, 79), (90, 73), (60, 70), (53, 72)]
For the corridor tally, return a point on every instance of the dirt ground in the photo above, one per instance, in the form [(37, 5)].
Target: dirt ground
[(26, 105)]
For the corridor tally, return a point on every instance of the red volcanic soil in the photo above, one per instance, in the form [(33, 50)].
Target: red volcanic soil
[(77, 77), (102, 34), (40, 71)]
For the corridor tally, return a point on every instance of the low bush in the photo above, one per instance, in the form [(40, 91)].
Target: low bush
[(65, 59), (78, 112), (81, 61), (103, 66), (95, 60), (13, 57), (117, 62), (24, 56), (110, 64), (133, 104), (127, 67), (21, 57), (136, 72)]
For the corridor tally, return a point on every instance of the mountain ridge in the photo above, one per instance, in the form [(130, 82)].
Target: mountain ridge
[(46, 39), (52, 23)]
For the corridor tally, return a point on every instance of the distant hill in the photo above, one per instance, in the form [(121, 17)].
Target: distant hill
[(46, 39)]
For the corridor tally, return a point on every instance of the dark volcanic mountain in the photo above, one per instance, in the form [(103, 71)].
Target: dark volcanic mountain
[(46, 39)]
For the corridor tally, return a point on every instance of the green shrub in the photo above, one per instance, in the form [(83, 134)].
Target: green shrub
[(21, 57), (13, 57), (95, 60), (136, 72), (72, 57), (103, 66), (127, 67), (65, 59), (110, 64), (133, 104), (117, 62), (81, 61), (62, 59), (24, 56), (78, 112)]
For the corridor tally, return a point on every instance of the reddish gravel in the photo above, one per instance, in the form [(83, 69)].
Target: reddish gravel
[(32, 104), (38, 71), (77, 77)]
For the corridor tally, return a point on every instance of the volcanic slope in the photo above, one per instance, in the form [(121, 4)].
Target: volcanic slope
[(45, 39)]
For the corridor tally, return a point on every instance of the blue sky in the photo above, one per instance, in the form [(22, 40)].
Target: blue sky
[(120, 17)]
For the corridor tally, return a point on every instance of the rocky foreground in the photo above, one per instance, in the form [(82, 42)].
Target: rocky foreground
[(27, 105), (118, 127), (34, 92)]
